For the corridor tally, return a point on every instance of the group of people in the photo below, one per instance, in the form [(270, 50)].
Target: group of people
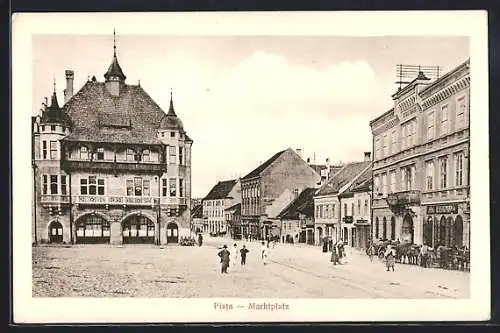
[(227, 257), (338, 253), (389, 255)]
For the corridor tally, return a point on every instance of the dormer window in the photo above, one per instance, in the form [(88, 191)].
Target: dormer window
[(172, 134), (84, 153), (146, 155), (43, 128), (52, 127)]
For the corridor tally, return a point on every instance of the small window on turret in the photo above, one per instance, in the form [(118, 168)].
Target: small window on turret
[(162, 134), (172, 134), (52, 127)]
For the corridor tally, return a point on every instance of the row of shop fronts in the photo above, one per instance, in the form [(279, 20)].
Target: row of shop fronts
[(95, 229), (445, 224)]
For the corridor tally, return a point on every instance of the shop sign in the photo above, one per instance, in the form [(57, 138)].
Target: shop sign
[(442, 209), (347, 219)]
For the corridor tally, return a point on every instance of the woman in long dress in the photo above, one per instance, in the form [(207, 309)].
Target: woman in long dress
[(389, 256), (264, 253), (234, 255)]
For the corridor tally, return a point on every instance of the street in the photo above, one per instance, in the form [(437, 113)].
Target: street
[(294, 271)]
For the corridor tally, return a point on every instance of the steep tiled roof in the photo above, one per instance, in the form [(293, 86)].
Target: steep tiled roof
[(197, 212), (115, 69), (131, 117), (221, 190), (303, 204), (236, 208), (54, 114), (363, 182), (257, 171), (170, 120), (342, 177)]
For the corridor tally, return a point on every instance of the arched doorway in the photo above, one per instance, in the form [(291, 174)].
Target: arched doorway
[(55, 232), (459, 231), (138, 229), (92, 229), (450, 235), (319, 233), (428, 231), (442, 231), (407, 230), (393, 228), (172, 233)]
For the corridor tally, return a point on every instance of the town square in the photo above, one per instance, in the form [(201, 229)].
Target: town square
[(344, 178)]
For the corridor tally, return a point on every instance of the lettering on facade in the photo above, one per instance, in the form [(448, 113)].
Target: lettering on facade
[(442, 209), (347, 219)]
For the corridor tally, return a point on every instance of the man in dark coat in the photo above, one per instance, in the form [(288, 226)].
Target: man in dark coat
[(224, 259), (243, 253), (200, 239)]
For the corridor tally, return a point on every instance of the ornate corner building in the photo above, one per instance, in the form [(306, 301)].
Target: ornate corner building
[(110, 166), (421, 189)]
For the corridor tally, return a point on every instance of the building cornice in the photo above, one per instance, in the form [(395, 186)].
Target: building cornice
[(446, 92)]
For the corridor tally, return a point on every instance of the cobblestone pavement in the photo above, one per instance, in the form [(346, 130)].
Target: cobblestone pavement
[(294, 271)]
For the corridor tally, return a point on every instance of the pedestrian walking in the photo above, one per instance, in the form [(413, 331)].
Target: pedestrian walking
[(371, 251), (264, 253), (224, 259), (234, 254), (243, 254), (200, 239), (389, 257), (424, 252), (334, 258)]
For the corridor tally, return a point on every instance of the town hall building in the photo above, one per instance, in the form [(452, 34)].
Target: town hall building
[(110, 166)]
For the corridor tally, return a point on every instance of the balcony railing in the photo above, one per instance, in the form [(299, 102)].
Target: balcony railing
[(115, 200), (114, 166), (49, 199), (411, 197)]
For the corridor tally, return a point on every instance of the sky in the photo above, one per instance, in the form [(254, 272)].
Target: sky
[(244, 98)]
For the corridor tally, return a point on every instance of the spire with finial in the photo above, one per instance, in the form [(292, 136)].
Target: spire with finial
[(114, 43), (53, 103), (114, 71), (171, 107)]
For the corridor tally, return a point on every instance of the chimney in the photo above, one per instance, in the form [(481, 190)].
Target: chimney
[(368, 157), (299, 152), (68, 92)]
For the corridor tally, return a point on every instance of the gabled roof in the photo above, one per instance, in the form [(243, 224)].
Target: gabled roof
[(97, 116), (236, 208), (361, 184), (221, 190), (257, 171), (197, 212), (303, 204), (342, 177)]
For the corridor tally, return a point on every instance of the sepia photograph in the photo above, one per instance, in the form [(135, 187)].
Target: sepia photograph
[(230, 172)]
